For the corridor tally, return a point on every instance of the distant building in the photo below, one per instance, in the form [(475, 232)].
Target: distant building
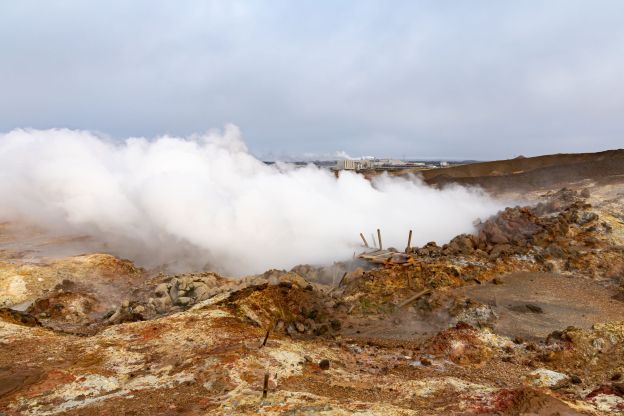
[(351, 164), (375, 164), (346, 164)]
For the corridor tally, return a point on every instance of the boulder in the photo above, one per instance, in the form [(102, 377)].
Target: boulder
[(544, 377), (161, 290), (173, 293)]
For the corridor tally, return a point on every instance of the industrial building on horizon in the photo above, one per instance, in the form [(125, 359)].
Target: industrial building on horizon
[(383, 164)]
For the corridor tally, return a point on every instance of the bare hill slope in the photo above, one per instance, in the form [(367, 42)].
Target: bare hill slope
[(534, 172)]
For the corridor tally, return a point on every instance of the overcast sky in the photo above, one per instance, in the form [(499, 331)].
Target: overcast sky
[(450, 79)]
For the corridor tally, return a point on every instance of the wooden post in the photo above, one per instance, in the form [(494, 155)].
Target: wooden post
[(265, 388), (413, 298), (342, 279), (363, 239), (374, 242), (266, 337), (379, 239), (409, 242)]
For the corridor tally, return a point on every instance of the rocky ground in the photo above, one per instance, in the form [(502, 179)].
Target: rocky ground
[(526, 316)]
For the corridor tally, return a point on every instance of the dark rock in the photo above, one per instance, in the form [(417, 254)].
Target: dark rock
[(554, 337), (618, 388), (554, 251), (463, 325), (495, 235), (500, 250), (312, 314), (18, 317), (587, 217), (425, 361), (321, 330), (462, 244), (534, 308), (286, 284), (184, 300), (324, 364), (574, 379)]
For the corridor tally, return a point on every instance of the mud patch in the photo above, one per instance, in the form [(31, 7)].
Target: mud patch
[(532, 305)]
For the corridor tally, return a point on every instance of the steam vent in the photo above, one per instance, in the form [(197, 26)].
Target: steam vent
[(302, 208), (523, 315)]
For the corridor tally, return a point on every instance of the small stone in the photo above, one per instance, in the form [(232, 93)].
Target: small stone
[(184, 300), (290, 330), (324, 364), (321, 330), (598, 343), (312, 314), (574, 379), (616, 376), (497, 281), (550, 266), (425, 361), (518, 340), (286, 284), (300, 327)]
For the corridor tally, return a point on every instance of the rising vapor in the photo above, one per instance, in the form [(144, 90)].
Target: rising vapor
[(205, 201)]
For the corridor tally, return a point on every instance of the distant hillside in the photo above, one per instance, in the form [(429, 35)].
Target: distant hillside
[(533, 172)]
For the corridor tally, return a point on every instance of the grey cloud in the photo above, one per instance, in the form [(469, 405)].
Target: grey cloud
[(479, 79)]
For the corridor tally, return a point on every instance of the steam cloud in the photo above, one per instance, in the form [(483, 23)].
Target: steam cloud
[(205, 201)]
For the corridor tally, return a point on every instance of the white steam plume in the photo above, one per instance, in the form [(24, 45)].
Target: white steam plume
[(205, 201)]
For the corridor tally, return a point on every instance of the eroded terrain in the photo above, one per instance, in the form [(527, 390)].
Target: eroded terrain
[(526, 316)]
